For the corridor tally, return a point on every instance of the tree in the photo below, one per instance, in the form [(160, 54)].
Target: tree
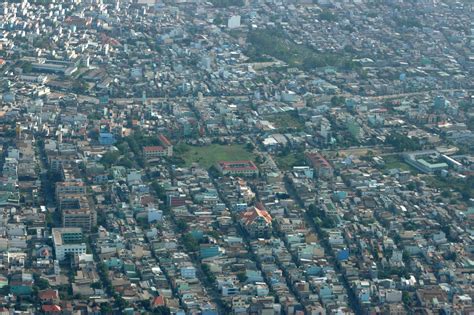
[(42, 284), (190, 243), (338, 100), (242, 277), (210, 277), (181, 226), (125, 162), (105, 308), (249, 147), (79, 86), (96, 285), (227, 3), (162, 310), (406, 298), (403, 143), (327, 16), (120, 303), (110, 158), (27, 67)]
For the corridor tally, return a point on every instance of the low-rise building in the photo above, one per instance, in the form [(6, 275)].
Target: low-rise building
[(68, 241)]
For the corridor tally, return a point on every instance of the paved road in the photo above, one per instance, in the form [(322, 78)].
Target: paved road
[(135, 100)]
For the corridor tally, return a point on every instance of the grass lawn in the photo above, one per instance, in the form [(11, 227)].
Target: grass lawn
[(395, 161), (286, 162), (287, 120), (207, 156)]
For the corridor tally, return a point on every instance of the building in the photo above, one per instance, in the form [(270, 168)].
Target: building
[(257, 222), (68, 241), (425, 161), (233, 22), (321, 166), (166, 143), (237, 168), (163, 150), (153, 152), (76, 211), (70, 188), (21, 283), (83, 218), (106, 138)]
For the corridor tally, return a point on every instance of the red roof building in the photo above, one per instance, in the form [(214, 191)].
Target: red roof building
[(257, 222), (158, 301), (320, 165), (237, 168), (49, 295), (51, 309)]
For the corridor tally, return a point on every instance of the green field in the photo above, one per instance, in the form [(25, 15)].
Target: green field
[(394, 161), (287, 161), (207, 156), (287, 120)]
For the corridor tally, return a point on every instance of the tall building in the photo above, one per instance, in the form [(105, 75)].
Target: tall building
[(74, 205)]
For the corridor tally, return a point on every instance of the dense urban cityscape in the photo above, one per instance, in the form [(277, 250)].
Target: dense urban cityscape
[(264, 157)]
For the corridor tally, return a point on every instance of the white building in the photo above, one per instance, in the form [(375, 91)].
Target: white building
[(233, 22), (68, 241)]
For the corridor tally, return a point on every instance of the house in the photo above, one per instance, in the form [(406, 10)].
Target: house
[(51, 309), (49, 296), (21, 283), (158, 301), (256, 221)]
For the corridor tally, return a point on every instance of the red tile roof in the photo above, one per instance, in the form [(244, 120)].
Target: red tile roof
[(249, 216), (153, 148), (48, 294), (237, 165), (159, 301), (164, 140), (51, 308), (317, 160)]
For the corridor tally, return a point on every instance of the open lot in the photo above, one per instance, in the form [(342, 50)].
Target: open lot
[(206, 156)]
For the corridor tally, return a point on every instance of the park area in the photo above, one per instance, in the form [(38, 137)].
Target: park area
[(207, 156)]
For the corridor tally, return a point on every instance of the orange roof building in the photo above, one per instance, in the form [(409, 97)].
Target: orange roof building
[(257, 222)]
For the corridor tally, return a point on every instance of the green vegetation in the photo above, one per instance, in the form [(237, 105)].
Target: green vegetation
[(274, 42), (408, 22), (162, 310), (470, 123), (286, 161), (109, 158), (181, 226), (130, 148), (207, 156), (327, 16), (190, 243), (210, 278), (320, 218), (242, 277), (80, 86), (338, 100), (227, 3), (403, 143), (27, 67), (394, 161), (286, 120), (464, 187)]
